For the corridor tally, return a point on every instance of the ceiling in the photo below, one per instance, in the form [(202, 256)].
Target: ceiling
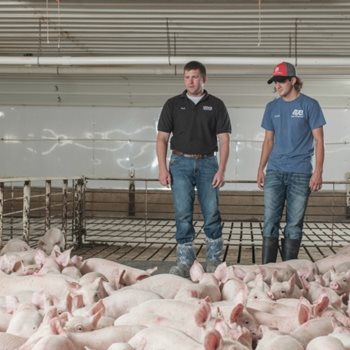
[(138, 34)]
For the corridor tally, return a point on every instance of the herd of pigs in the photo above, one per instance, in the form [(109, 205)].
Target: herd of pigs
[(51, 299)]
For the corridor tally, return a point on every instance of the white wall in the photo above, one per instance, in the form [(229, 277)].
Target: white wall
[(66, 126)]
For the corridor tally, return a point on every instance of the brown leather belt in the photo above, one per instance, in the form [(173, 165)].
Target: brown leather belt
[(194, 156)]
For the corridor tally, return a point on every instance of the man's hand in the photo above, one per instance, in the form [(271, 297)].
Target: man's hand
[(164, 178), (260, 179), (315, 183), (218, 180)]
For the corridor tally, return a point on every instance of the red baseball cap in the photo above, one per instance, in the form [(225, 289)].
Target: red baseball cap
[(284, 69)]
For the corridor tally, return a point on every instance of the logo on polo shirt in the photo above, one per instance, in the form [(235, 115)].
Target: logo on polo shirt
[(298, 113), (207, 108)]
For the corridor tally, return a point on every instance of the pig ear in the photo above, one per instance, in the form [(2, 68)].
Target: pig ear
[(196, 271), (222, 273), (239, 272), (96, 317), (40, 257), (11, 303), (274, 277), (236, 311), (63, 259), (304, 313), (203, 314), (212, 340), (151, 271), (97, 307), (56, 327), (321, 305), (291, 283)]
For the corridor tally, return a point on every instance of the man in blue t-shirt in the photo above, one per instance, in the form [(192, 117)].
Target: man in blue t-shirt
[(293, 126)]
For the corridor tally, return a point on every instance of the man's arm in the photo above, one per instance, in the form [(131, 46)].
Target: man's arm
[(224, 151), (265, 153), (162, 149), (316, 178)]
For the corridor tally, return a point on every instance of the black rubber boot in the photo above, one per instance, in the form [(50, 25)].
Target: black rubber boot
[(290, 248), (269, 250)]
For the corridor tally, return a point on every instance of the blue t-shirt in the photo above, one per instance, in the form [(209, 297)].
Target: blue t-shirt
[(292, 123)]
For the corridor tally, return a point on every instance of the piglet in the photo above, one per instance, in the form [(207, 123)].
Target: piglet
[(53, 236), (207, 286)]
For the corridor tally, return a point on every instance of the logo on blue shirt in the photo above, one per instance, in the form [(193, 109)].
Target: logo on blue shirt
[(207, 108), (298, 113)]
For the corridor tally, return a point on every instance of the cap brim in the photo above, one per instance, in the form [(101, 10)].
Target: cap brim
[(271, 80)]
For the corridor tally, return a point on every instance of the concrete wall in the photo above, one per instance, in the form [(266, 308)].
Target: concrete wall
[(71, 125)]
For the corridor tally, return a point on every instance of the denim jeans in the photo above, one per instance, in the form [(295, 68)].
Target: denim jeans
[(282, 188), (186, 175)]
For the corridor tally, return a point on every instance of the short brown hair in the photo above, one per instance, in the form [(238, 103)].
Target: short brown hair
[(196, 65)]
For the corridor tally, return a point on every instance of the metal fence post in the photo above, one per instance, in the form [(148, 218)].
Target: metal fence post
[(131, 208), (65, 207), (26, 211), (47, 204), (1, 210), (348, 197), (78, 215)]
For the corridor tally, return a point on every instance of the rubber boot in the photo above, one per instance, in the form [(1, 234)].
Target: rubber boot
[(269, 250), (290, 248), (184, 260), (214, 250)]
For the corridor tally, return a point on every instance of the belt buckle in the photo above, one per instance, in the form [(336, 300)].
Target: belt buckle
[(197, 156)]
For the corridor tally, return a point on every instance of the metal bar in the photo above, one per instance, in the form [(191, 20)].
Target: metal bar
[(47, 205), (65, 207), (26, 210), (1, 210)]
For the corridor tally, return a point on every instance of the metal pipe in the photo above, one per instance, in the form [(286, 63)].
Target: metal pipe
[(165, 60)]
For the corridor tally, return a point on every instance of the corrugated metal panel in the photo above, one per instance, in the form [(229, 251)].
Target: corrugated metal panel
[(177, 28)]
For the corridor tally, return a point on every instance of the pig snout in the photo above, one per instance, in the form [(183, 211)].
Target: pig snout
[(334, 285)]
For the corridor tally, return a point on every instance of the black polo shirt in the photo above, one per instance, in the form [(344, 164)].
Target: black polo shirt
[(194, 127)]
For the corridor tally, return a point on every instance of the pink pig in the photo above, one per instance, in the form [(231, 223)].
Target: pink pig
[(207, 286), (110, 268)]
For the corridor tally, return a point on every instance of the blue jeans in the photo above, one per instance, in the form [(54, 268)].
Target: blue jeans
[(186, 175), (292, 189)]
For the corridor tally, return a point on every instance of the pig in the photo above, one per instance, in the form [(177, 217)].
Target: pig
[(285, 323), (15, 245), (166, 285), (120, 346), (10, 341), (327, 263), (325, 342), (25, 321), (124, 300), (54, 342), (313, 328), (104, 337), (207, 286), (53, 236), (111, 268), (258, 289), (340, 281), (284, 289), (314, 289), (160, 338), (276, 340), (188, 317)]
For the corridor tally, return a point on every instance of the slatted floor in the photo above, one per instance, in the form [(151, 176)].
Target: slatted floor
[(152, 242)]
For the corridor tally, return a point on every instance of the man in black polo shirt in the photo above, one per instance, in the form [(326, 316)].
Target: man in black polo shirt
[(196, 121)]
